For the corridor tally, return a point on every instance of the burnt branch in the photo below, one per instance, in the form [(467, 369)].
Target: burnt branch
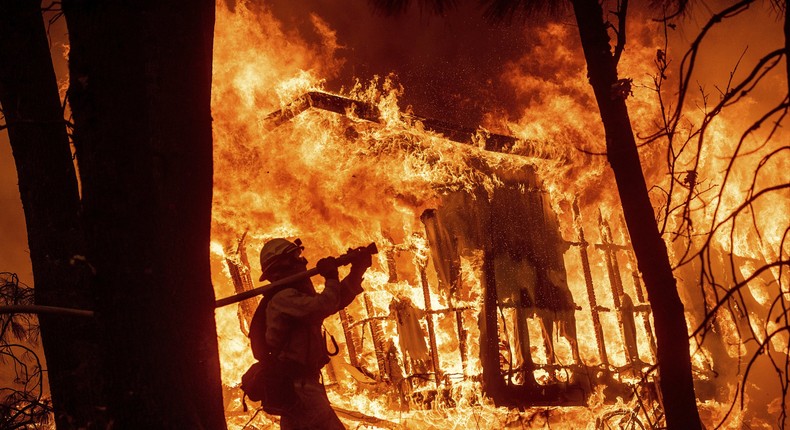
[(52, 6), (621, 13), (38, 309), (699, 215), (689, 60), (22, 404), (725, 300)]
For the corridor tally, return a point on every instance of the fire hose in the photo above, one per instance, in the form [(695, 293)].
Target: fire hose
[(342, 260)]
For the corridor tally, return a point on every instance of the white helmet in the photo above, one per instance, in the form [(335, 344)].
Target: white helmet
[(274, 250)]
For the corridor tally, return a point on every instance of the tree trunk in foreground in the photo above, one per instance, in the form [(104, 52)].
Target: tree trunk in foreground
[(140, 91), (674, 363), (48, 188), (787, 45)]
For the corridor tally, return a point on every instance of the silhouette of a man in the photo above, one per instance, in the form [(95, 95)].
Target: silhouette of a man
[(288, 323)]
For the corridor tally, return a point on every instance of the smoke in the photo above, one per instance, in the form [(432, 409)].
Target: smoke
[(450, 66)]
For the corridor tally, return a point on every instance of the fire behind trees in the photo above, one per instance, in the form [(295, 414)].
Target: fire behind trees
[(602, 59)]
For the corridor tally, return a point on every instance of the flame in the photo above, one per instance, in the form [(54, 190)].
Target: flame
[(340, 180)]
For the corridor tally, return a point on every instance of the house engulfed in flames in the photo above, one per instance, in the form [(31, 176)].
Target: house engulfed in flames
[(471, 308)]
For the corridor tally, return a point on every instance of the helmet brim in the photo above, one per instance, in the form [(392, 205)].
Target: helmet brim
[(297, 249)]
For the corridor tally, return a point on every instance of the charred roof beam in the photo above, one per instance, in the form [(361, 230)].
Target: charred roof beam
[(369, 112)]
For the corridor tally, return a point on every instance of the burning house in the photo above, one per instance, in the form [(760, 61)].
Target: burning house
[(505, 292), (477, 294)]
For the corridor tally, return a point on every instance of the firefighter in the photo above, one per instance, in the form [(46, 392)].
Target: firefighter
[(288, 323)]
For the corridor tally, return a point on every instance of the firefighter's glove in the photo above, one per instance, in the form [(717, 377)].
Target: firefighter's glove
[(327, 267)]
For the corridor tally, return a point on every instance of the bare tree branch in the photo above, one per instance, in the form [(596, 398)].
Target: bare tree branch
[(621, 13), (21, 402), (38, 309)]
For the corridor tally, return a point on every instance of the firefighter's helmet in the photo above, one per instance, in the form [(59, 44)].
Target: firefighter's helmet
[(274, 250)]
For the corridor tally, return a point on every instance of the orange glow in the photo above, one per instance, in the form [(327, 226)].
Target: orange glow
[(337, 181)]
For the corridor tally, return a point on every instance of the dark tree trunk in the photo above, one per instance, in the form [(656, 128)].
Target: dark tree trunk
[(787, 45), (140, 92), (674, 364), (48, 188)]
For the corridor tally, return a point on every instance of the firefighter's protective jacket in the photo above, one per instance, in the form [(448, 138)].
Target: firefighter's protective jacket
[(294, 320)]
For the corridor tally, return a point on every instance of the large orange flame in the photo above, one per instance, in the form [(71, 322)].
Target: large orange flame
[(339, 180)]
